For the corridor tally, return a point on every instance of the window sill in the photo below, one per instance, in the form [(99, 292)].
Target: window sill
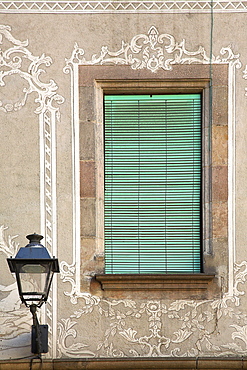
[(153, 282)]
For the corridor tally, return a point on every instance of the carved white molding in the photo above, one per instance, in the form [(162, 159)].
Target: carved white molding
[(17, 60), (124, 6), (153, 52)]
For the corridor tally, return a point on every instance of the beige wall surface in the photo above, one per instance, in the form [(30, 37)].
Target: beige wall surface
[(50, 122)]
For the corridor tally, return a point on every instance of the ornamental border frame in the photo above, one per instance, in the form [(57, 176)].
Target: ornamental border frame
[(155, 56), (123, 6)]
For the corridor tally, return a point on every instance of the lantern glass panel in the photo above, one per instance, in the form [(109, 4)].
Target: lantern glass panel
[(35, 281)]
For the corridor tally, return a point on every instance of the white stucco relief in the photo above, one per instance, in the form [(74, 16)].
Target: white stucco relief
[(153, 51), (18, 63), (13, 62), (169, 326)]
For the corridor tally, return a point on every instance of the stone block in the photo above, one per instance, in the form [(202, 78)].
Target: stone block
[(219, 183), (86, 106), (87, 141), (87, 179), (220, 219), (87, 217), (219, 145), (220, 104)]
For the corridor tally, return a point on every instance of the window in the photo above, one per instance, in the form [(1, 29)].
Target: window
[(97, 82), (153, 182)]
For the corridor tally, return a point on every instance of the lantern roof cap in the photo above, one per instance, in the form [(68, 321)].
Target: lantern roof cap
[(33, 253), (34, 249)]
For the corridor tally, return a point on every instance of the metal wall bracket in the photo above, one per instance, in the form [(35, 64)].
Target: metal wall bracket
[(41, 336)]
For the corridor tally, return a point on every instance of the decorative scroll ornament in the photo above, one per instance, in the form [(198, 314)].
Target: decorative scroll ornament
[(67, 273), (65, 328), (17, 60), (153, 51), (8, 247)]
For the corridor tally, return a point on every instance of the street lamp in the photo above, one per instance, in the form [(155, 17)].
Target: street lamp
[(34, 269)]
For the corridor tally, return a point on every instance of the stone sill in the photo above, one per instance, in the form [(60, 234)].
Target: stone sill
[(141, 363), (153, 282)]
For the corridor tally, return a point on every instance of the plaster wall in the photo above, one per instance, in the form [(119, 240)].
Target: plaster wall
[(41, 144)]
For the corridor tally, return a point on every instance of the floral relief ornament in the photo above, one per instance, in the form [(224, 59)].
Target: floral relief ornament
[(153, 51), (18, 60), (158, 328)]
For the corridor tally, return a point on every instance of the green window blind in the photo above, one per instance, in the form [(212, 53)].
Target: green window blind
[(153, 183)]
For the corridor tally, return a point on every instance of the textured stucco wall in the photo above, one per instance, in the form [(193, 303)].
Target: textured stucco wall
[(40, 151)]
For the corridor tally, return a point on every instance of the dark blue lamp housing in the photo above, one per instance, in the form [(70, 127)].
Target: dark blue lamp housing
[(34, 269)]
